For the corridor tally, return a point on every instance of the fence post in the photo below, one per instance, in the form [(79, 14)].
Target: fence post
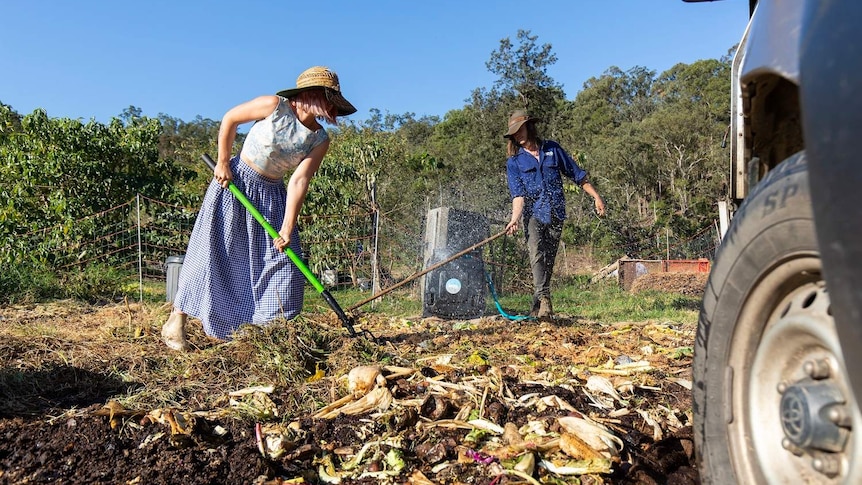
[(140, 253), (375, 268), (667, 242)]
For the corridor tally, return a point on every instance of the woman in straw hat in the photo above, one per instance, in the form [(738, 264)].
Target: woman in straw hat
[(233, 272), (534, 172)]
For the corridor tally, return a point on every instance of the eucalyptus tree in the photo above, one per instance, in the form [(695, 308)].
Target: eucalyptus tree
[(471, 152), (604, 125), (686, 134), (523, 69), (468, 142), (412, 131), (611, 100), (655, 141)]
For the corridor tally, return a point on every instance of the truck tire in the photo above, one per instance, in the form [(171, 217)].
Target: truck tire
[(771, 400)]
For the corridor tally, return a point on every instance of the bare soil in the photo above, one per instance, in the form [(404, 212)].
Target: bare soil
[(88, 394)]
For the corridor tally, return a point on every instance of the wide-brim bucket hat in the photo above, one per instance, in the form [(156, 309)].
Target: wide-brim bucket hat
[(517, 119), (321, 77)]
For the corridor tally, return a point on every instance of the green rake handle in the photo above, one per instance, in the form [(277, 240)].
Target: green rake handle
[(345, 321)]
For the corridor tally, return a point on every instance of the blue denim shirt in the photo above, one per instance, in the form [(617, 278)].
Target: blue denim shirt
[(540, 182)]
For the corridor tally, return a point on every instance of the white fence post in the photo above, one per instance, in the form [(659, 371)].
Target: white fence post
[(375, 268), (140, 252), (723, 218)]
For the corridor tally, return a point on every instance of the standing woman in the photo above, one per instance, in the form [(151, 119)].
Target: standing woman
[(534, 171), (233, 272)]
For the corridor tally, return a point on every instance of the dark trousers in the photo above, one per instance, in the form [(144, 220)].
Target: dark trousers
[(543, 240)]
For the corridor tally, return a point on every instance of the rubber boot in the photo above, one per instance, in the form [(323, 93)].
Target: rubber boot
[(546, 311), (174, 332), (534, 310)]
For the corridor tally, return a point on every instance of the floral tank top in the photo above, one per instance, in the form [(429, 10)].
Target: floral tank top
[(279, 142)]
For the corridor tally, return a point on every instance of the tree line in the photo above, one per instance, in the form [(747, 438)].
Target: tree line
[(651, 142)]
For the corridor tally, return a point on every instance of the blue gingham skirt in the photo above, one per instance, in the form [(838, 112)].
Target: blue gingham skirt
[(232, 273)]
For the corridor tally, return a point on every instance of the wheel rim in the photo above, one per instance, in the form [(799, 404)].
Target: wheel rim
[(792, 411)]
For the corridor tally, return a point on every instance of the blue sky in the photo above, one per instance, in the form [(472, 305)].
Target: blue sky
[(91, 59)]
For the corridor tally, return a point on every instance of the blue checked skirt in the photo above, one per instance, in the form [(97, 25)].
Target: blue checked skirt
[(232, 273)]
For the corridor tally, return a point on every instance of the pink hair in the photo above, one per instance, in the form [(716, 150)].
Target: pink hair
[(315, 101)]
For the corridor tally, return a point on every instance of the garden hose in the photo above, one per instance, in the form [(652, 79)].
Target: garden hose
[(500, 308)]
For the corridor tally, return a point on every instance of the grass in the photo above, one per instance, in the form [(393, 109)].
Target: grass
[(575, 296), (23, 283), (603, 301), (607, 302)]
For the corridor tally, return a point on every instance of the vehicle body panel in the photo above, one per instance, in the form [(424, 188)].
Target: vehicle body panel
[(764, 104), (778, 353), (831, 79)]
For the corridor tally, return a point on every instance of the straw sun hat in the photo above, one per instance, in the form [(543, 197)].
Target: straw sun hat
[(516, 120), (321, 77)]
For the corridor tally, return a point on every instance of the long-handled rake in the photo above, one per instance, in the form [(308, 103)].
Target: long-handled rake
[(346, 322), (412, 277)]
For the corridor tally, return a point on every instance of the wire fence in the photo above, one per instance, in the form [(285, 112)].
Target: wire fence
[(142, 234)]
